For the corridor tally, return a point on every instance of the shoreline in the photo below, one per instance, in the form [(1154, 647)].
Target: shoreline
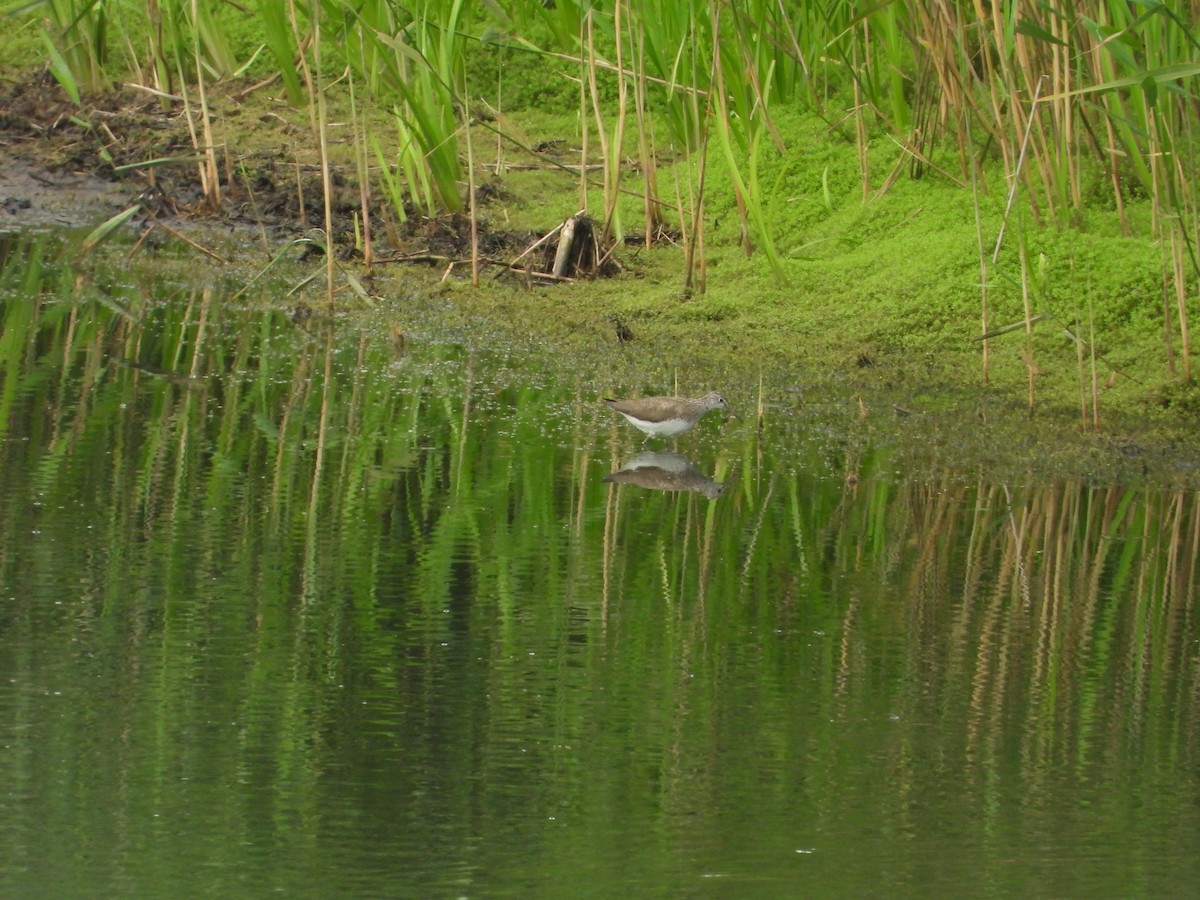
[(892, 377)]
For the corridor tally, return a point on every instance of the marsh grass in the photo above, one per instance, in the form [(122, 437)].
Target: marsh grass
[(1065, 103)]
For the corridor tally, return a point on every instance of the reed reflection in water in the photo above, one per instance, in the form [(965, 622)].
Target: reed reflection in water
[(289, 608)]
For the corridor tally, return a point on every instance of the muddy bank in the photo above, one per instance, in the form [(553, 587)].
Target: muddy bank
[(66, 166)]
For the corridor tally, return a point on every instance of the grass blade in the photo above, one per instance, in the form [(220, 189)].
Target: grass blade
[(104, 230)]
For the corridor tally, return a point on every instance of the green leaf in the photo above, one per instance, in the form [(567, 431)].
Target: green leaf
[(61, 71), (1015, 326), (1150, 89), (105, 230), (1032, 29), (1161, 75)]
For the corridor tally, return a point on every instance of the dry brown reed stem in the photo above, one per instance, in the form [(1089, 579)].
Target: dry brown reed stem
[(1168, 339), (209, 179), (615, 150), (316, 115), (1081, 375), (646, 150), (1156, 178), (584, 122), (985, 312), (1180, 280), (300, 199), (1112, 152), (189, 117), (1184, 246), (1015, 173), (302, 57), (860, 134), (694, 248), (1095, 374), (326, 174), (601, 131), (684, 222), (1030, 368), (361, 163), (1030, 61), (997, 76), (499, 114), (1067, 110), (956, 100), (471, 200)]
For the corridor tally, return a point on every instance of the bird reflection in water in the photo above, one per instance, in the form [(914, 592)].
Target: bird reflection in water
[(666, 472)]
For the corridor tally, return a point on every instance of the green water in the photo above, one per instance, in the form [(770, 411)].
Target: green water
[(289, 609)]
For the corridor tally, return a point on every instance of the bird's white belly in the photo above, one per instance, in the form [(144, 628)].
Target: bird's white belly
[(665, 428)]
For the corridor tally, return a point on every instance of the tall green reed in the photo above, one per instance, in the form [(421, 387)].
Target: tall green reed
[(76, 35), (412, 62)]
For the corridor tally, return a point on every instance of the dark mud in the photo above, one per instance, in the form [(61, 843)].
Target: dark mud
[(74, 166)]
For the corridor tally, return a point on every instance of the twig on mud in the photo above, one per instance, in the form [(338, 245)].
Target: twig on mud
[(450, 262), (163, 95), (544, 276), (246, 92), (608, 256), (113, 140), (187, 240), (513, 268), (535, 167), (426, 257), (138, 243)]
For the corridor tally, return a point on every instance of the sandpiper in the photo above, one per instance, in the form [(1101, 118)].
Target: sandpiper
[(667, 416)]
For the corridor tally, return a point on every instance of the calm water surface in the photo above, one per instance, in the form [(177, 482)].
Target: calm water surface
[(290, 609)]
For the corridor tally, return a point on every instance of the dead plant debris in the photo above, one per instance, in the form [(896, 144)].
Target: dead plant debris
[(64, 161)]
